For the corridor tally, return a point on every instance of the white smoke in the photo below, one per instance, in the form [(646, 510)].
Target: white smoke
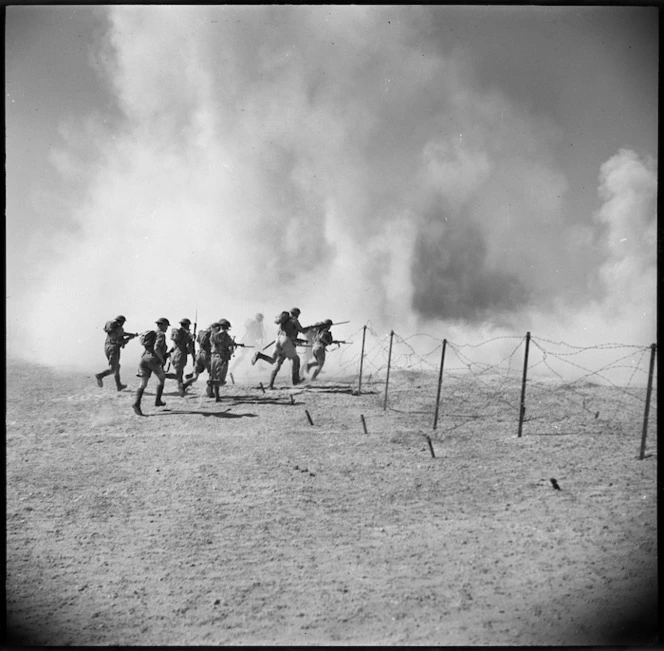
[(279, 156)]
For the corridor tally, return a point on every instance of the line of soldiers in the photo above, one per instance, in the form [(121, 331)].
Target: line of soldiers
[(216, 348)]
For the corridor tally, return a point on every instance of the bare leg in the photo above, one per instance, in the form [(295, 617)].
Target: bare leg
[(273, 376)]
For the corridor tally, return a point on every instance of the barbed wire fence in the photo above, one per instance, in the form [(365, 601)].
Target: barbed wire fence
[(542, 386)]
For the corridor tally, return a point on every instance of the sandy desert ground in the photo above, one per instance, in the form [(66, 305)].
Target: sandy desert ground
[(241, 523)]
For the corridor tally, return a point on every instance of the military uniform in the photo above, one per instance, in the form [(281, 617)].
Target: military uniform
[(289, 328), (183, 345), (222, 347), (150, 362), (160, 346), (115, 341), (203, 357), (322, 337), (254, 333)]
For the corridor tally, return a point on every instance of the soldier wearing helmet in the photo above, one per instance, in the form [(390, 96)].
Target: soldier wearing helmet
[(289, 327), (183, 345), (204, 356), (322, 337), (151, 362), (253, 337), (222, 347), (116, 338), (160, 346)]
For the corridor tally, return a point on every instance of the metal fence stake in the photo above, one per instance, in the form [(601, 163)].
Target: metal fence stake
[(653, 351), (389, 360), (522, 409), (364, 334), (440, 382)]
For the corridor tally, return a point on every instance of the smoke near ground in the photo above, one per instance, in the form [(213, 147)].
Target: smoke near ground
[(261, 158)]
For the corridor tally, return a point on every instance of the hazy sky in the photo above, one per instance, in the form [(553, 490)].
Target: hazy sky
[(421, 167)]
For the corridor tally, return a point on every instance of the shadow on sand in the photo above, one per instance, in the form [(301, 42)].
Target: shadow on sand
[(207, 414)]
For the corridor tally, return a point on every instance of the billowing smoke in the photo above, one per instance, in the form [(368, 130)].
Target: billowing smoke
[(260, 158)]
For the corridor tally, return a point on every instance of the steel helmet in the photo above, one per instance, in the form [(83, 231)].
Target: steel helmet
[(296, 311), (215, 325), (120, 318), (163, 321), (185, 321), (328, 322), (224, 323), (259, 317)]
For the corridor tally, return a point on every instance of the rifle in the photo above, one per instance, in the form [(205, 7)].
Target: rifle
[(238, 345), (129, 336), (193, 339), (335, 341), (302, 342), (309, 327)]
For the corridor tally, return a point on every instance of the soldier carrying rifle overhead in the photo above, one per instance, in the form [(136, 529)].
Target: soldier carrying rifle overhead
[(116, 338)]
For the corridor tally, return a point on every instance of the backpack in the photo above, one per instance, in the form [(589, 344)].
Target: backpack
[(148, 338), (203, 338)]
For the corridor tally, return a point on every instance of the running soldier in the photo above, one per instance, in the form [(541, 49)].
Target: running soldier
[(183, 345), (160, 346), (322, 337), (284, 347), (203, 357), (151, 362), (116, 338), (222, 346), (254, 335)]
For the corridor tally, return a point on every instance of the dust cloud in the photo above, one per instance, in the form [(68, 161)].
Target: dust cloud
[(259, 160)]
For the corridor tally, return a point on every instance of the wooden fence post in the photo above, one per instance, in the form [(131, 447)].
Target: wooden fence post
[(389, 360), (653, 350), (440, 382), (522, 409), (364, 334)]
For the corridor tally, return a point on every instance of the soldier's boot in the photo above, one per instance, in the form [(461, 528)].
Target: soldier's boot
[(181, 389), (101, 375), (217, 397), (208, 391), (137, 403), (158, 401), (273, 377)]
